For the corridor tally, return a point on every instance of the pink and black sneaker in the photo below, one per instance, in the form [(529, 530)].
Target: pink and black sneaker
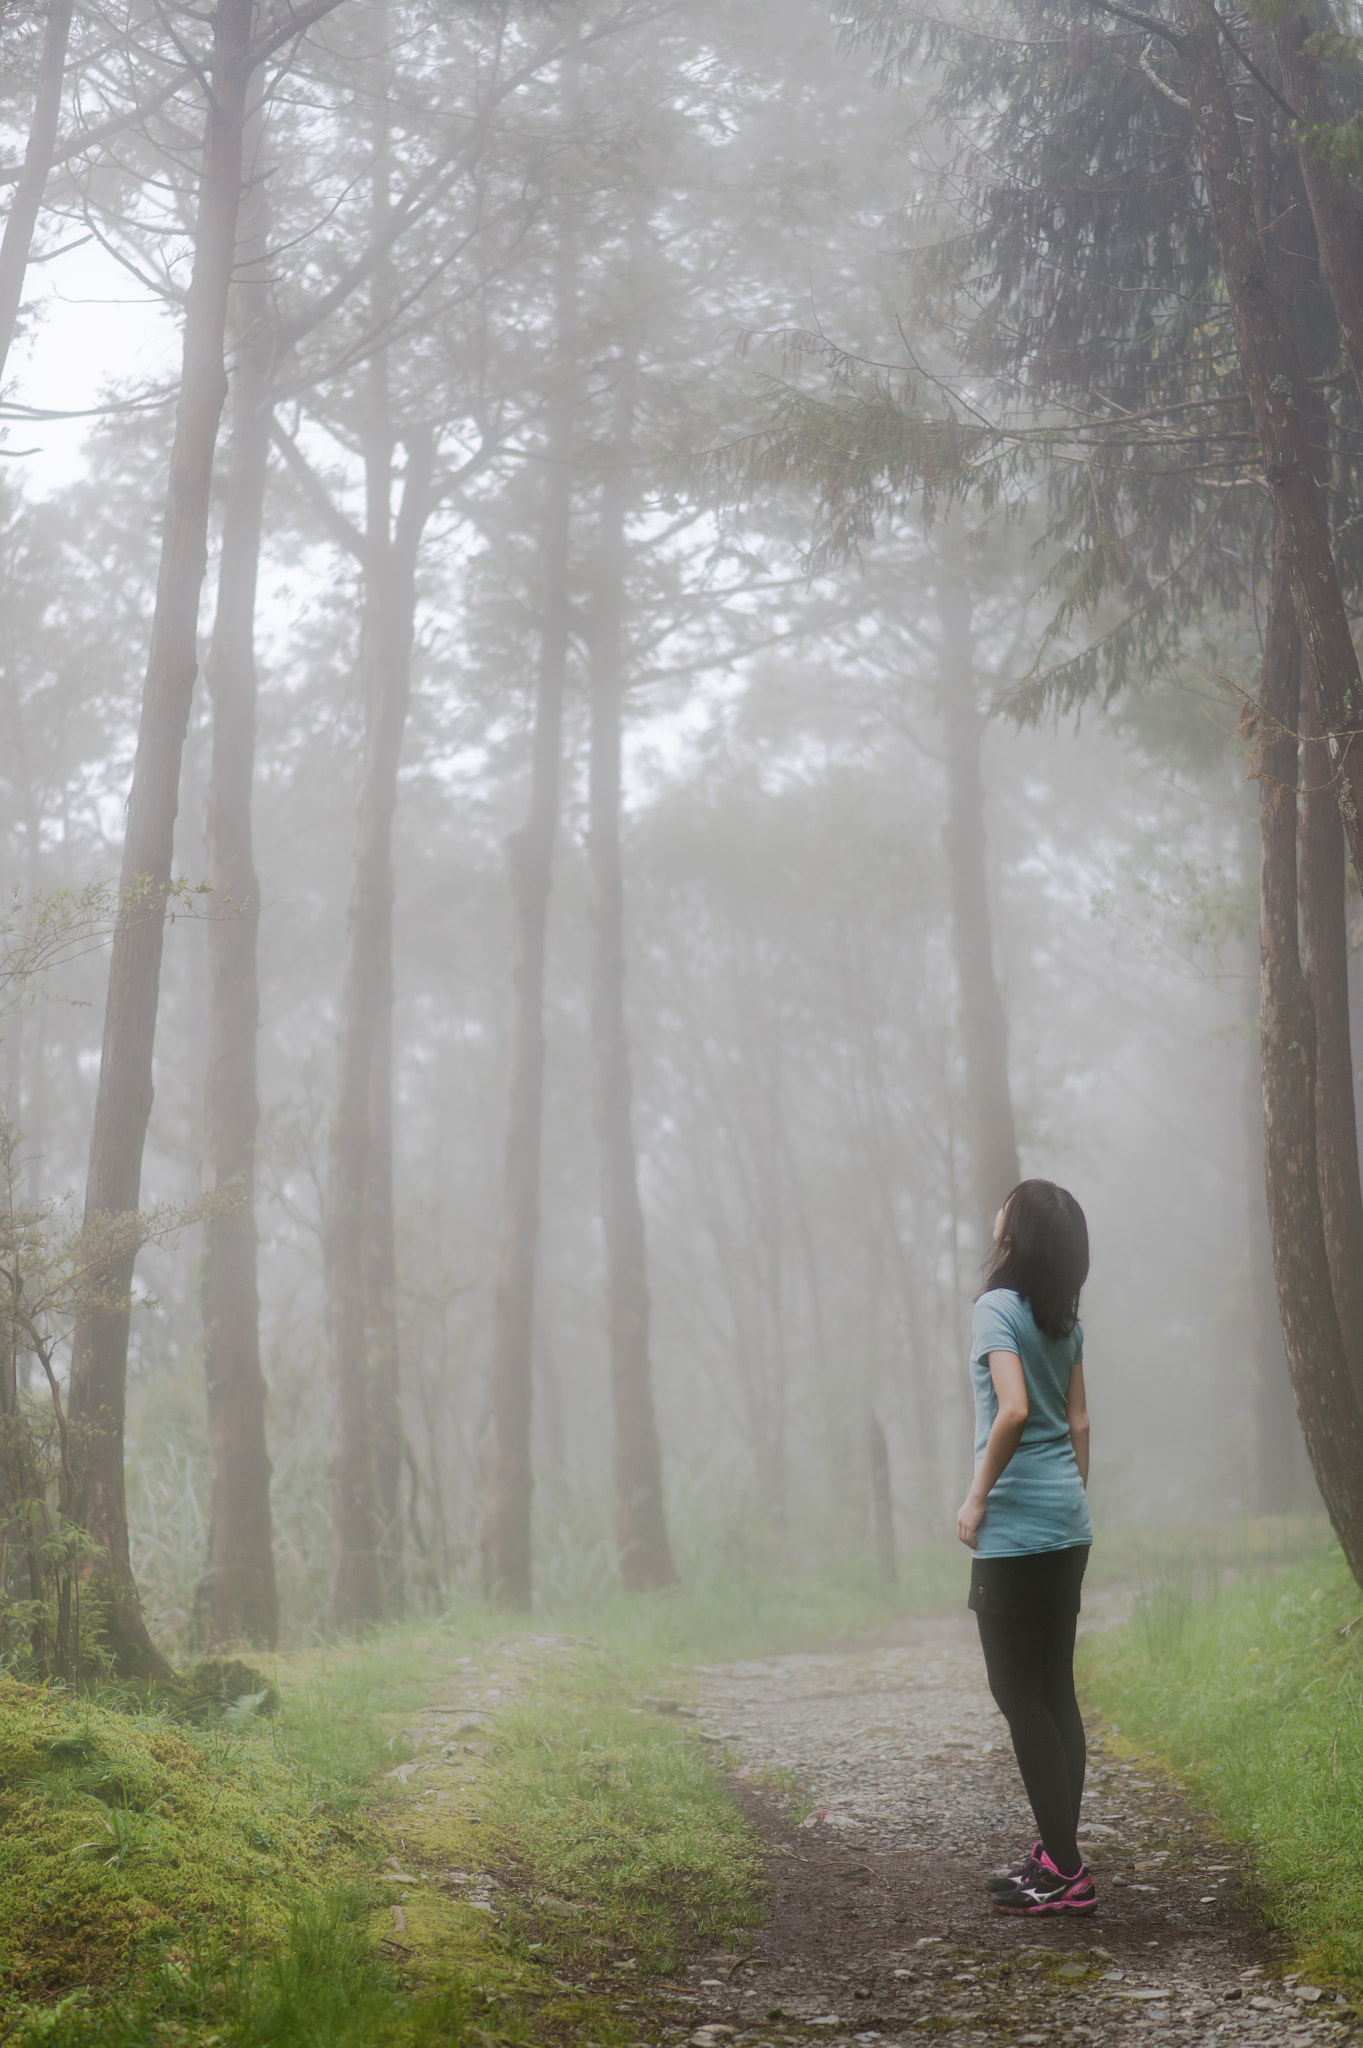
[(1021, 1873), (1047, 1890)]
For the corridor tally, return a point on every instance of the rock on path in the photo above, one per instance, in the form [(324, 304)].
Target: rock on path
[(879, 1930)]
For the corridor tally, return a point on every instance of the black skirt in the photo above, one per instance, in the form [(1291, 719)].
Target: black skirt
[(1042, 1585)]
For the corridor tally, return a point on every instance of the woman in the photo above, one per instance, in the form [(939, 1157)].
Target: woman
[(1026, 1519)]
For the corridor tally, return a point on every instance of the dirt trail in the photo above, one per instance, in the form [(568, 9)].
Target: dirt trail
[(879, 1930)]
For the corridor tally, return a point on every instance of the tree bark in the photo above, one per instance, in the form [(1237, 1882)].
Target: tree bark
[(380, 1250), (1280, 1482), (1327, 1407), (123, 1100), (1295, 268), (381, 1307), (239, 1599), (353, 1509), (640, 1517), (1326, 962), (1279, 402), (882, 1499), (504, 1461), (1334, 210), (28, 194), (984, 1026)]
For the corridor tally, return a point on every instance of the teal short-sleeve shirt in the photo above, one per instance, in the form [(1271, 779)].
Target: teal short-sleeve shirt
[(1038, 1501)]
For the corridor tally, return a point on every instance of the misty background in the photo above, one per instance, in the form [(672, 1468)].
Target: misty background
[(814, 1238)]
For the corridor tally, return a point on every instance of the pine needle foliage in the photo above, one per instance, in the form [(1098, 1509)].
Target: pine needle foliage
[(1067, 266)]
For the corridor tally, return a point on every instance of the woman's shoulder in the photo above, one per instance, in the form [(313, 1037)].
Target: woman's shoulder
[(1000, 1306)]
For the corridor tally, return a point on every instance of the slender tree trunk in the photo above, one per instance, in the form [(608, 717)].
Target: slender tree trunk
[(1322, 1383), (1281, 1479), (769, 1164), (1326, 961), (356, 1576), (380, 1249), (1334, 210), (1280, 404), (239, 1600), (549, 1408), (640, 1518), (832, 1395), (28, 193), (381, 1310), (1294, 268), (123, 1100), (882, 1498), (504, 1460), (984, 1027)]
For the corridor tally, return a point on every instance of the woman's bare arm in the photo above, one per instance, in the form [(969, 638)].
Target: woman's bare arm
[(1010, 1385), (1077, 1416)]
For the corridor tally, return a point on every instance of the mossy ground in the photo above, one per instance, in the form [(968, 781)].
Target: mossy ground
[(122, 1835), (240, 1891)]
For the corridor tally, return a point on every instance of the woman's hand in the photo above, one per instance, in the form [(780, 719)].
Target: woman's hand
[(1010, 1390)]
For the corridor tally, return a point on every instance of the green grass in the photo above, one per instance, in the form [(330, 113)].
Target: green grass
[(321, 1984), (1135, 1554), (1252, 1691), (623, 1813), (122, 1834), (222, 1883)]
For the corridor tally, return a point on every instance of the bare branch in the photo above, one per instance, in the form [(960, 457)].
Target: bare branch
[(297, 22), (346, 536), (77, 145)]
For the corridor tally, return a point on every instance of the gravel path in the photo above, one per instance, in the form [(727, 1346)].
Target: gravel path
[(879, 1930)]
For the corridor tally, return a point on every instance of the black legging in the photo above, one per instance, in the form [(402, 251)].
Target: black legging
[(1031, 1675)]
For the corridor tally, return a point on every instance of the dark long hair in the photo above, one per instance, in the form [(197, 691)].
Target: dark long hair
[(1042, 1254)]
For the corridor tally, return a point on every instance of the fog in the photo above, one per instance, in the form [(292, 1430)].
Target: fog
[(515, 291)]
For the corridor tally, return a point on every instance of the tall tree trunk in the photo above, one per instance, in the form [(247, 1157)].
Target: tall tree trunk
[(1281, 1481), (380, 1249), (1334, 209), (504, 1459), (882, 1498), (1326, 961), (1294, 259), (1280, 404), (99, 1364), (356, 1576), (239, 1599), (1322, 1383), (28, 193), (640, 1518), (832, 1395), (984, 1027), (381, 1306)]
